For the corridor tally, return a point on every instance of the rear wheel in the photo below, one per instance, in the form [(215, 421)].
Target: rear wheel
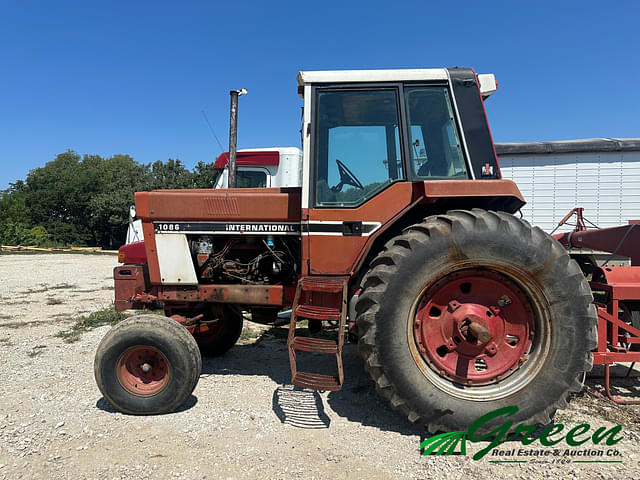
[(147, 364), (219, 331), (493, 314)]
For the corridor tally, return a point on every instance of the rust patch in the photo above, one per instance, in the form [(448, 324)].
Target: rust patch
[(276, 295)]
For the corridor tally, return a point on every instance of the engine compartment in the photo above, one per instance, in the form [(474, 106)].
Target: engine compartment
[(245, 259)]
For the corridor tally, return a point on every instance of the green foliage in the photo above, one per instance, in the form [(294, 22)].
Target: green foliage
[(75, 200), (83, 324), (39, 235), (203, 175)]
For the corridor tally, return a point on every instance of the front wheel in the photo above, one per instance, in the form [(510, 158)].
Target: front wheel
[(147, 364), (472, 311)]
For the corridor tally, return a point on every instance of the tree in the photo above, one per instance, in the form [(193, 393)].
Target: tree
[(170, 174), (57, 195), (120, 176), (85, 200), (204, 175)]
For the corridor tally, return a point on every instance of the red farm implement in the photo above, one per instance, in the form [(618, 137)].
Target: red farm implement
[(616, 291)]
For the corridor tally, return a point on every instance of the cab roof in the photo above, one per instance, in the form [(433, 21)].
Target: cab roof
[(348, 76)]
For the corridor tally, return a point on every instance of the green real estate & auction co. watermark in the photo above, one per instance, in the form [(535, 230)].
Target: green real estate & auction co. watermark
[(567, 445)]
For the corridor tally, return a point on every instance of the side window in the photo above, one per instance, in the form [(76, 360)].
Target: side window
[(357, 146), (251, 178), (435, 149)]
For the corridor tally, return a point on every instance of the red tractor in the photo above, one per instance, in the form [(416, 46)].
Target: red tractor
[(402, 236)]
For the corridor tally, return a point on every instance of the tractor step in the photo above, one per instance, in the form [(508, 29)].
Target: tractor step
[(316, 312), (323, 299), (322, 284), (315, 345), (316, 381)]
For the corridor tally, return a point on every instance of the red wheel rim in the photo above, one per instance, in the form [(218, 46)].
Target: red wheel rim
[(474, 327), (143, 371)]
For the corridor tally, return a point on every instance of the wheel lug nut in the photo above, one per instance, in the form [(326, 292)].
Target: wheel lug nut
[(504, 300), (453, 306)]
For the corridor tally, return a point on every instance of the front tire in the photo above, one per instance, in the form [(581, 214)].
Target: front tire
[(472, 311), (147, 365)]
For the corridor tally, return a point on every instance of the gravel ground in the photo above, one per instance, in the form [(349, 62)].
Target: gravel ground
[(242, 421)]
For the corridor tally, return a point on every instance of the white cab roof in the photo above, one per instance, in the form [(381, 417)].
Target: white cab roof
[(345, 76), (282, 150)]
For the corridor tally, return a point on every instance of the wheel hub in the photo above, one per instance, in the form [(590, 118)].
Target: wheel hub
[(473, 327), (471, 322)]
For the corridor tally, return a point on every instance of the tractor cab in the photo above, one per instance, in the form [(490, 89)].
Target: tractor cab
[(366, 130)]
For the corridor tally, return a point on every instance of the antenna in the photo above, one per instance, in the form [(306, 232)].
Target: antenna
[(212, 131)]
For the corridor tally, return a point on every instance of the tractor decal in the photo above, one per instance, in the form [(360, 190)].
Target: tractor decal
[(224, 227)]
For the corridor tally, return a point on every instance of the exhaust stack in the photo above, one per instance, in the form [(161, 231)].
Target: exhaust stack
[(233, 135)]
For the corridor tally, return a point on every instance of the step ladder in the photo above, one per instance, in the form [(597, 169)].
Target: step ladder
[(324, 299)]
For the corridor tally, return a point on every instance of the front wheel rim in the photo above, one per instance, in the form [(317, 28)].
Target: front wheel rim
[(143, 371), (480, 332)]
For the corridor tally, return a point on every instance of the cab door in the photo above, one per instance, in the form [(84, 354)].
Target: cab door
[(357, 171)]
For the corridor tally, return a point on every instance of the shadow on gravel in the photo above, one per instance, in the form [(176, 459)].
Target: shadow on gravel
[(299, 407), (104, 405), (357, 401)]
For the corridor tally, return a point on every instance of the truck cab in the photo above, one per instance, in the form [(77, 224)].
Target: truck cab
[(262, 168)]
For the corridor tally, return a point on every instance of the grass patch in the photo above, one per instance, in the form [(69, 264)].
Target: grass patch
[(4, 317), (88, 322), (37, 350), (248, 334), (54, 301)]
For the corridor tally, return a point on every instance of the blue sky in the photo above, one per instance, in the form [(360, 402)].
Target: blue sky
[(133, 77)]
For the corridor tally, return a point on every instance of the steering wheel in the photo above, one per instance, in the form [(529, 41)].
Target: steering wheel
[(346, 178)]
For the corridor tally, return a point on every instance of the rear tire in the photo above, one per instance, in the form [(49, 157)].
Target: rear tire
[(217, 338), (487, 268), (147, 365)]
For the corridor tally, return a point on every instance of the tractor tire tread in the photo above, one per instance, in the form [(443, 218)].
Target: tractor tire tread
[(156, 326), (384, 267)]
